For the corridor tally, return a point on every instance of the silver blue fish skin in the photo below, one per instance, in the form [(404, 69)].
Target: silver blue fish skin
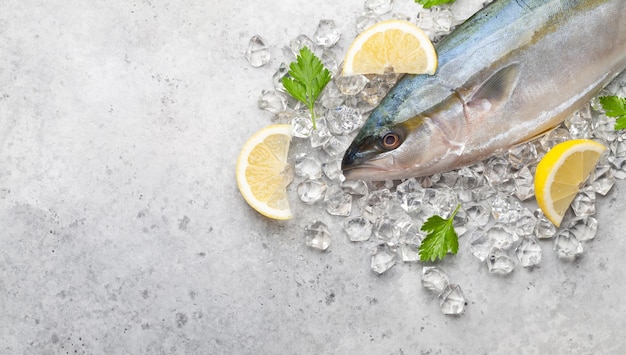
[(514, 70)]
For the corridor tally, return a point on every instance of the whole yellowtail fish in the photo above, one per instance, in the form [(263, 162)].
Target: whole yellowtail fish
[(509, 73)]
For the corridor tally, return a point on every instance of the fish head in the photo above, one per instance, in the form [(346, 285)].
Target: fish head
[(422, 145)]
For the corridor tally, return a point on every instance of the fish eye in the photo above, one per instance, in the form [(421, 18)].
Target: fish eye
[(390, 140)]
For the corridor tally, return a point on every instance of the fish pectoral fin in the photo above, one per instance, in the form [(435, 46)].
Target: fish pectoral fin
[(536, 136), (496, 90)]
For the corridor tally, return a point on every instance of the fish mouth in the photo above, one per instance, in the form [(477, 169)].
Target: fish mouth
[(366, 171), (365, 160)]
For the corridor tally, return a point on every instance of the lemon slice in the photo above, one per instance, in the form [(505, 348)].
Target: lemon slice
[(396, 45), (263, 172), (561, 174)]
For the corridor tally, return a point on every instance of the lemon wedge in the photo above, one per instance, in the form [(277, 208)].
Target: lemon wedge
[(396, 45), (263, 172), (562, 172)]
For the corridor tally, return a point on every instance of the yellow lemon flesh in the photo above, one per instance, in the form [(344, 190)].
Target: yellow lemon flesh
[(562, 172), (263, 172), (392, 45)]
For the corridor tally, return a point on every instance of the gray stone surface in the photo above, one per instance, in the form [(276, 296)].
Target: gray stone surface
[(123, 231)]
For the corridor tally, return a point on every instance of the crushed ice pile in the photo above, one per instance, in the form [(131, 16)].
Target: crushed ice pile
[(498, 218)]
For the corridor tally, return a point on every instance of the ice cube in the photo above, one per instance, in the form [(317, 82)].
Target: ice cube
[(583, 228), (327, 34), (544, 229), (355, 187), (359, 229), (387, 231), (321, 135), (344, 120), (497, 171), (317, 235), (257, 53), (308, 166), (302, 126), (409, 252), (528, 252), (374, 204), (434, 279), (338, 203), (300, 42), (451, 300), (336, 145), (366, 20), (554, 137), (524, 186), (410, 194), (272, 101), (311, 191), (480, 244), (502, 236), (478, 213), (602, 179), (332, 169), (351, 85), (522, 155), (278, 76), (378, 7), (331, 97), (383, 258), (499, 262), (584, 204), (567, 246)]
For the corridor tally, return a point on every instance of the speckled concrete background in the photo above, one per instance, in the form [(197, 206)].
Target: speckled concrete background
[(123, 231)]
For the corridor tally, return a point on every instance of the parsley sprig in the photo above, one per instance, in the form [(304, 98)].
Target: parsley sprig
[(440, 239), (307, 78), (615, 107), (427, 4)]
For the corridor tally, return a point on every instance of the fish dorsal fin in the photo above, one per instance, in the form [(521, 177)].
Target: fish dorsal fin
[(496, 90)]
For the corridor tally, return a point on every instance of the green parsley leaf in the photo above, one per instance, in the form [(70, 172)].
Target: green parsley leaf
[(615, 107), (307, 78), (427, 4), (440, 239)]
